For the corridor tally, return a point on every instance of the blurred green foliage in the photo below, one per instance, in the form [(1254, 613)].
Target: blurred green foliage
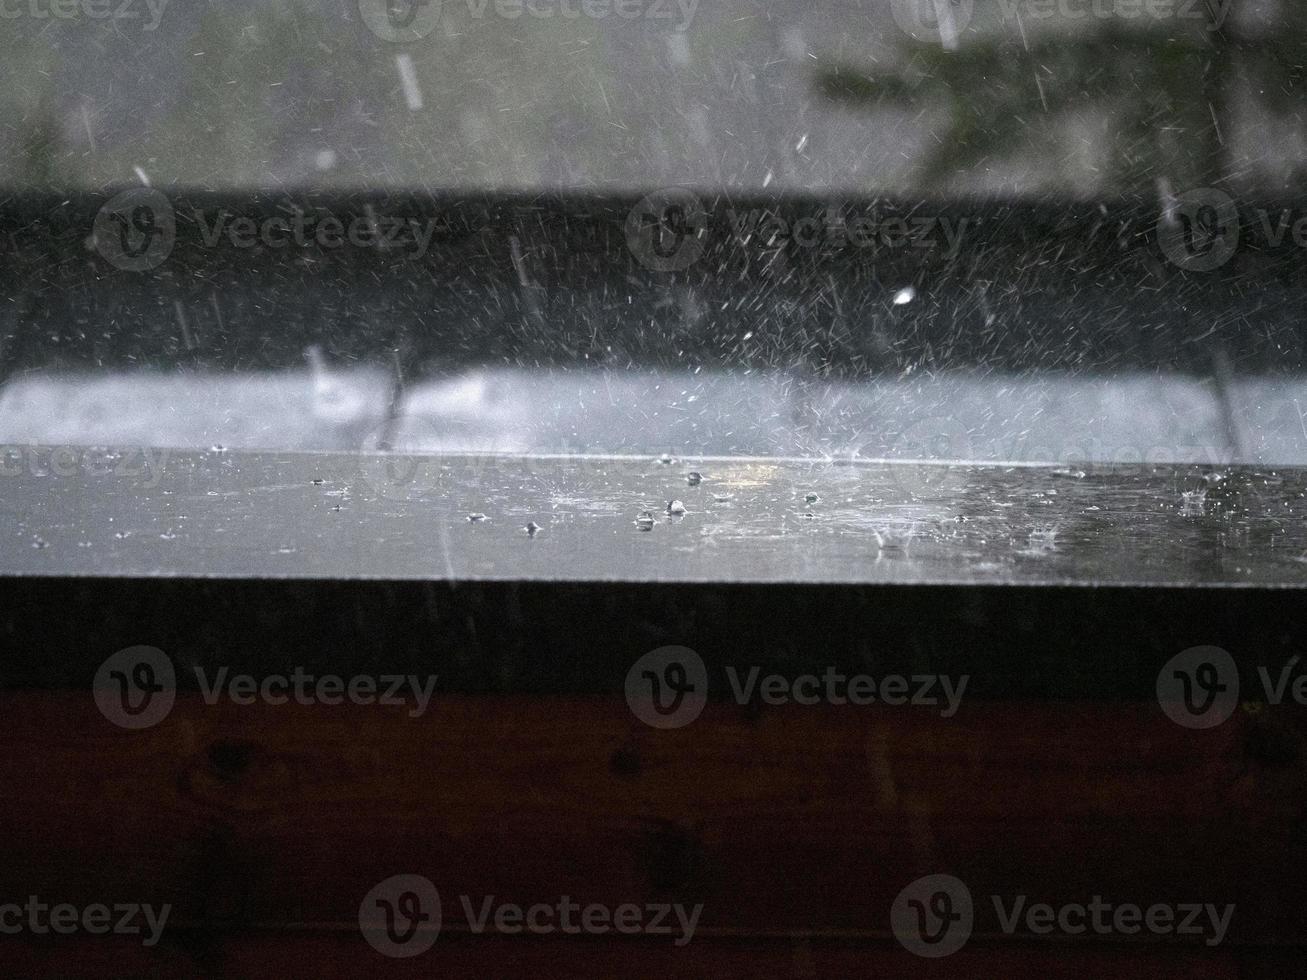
[(1165, 89)]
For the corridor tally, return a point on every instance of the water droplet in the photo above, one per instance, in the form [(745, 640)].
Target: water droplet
[(810, 498), (675, 508), (532, 529), (905, 295), (694, 478), (1043, 538), (1192, 501), (477, 518)]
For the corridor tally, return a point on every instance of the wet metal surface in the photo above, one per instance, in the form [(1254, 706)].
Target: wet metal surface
[(224, 513)]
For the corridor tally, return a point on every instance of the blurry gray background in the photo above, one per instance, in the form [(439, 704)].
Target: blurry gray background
[(1030, 97), (1020, 98)]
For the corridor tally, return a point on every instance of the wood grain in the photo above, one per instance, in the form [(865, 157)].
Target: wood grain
[(796, 819)]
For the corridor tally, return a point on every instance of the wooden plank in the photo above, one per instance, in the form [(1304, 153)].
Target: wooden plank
[(339, 955), (801, 818)]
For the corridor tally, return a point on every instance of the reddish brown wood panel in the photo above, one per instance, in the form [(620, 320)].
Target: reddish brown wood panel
[(797, 819), (343, 957)]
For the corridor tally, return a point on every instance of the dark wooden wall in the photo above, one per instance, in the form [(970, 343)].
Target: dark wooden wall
[(263, 826)]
